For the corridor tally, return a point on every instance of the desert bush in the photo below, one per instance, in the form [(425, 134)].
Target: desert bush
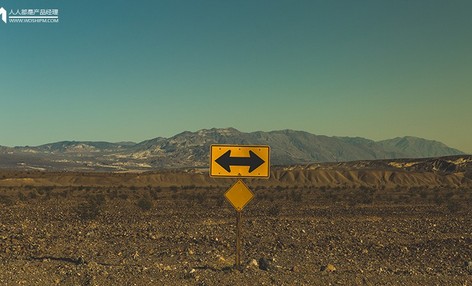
[(366, 198), (153, 193), (279, 188), (449, 195), (263, 196), (274, 210), (405, 199), (201, 197), (438, 199), (113, 194), (91, 208), (64, 193), (22, 197), (220, 200), (352, 201), (145, 203), (6, 200), (99, 199), (296, 196), (453, 207), (189, 187), (48, 188), (47, 196), (332, 197), (423, 194), (88, 211), (33, 195), (123, 196)]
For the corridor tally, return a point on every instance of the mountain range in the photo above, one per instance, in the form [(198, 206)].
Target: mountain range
[(191, 149)]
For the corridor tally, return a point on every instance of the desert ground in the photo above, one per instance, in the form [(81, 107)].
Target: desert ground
[(176, 228)]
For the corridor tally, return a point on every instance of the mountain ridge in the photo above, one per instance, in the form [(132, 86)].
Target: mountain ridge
[(191, 149)]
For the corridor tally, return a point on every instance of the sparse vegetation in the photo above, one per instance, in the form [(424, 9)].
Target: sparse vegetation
[(423, 194), (22, 197), (274, 211), (296, 196), (113, 194), (145, 203), (454, 207), (438, 199), (6, 200), (123, 196), (154, 194), (33, 195), (112, 225), (91, 208)]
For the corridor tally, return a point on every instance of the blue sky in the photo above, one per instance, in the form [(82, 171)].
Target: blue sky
[(135, 70)]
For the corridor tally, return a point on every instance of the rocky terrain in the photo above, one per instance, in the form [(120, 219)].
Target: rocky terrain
[(386, 222), (452, 172), (191, 149)]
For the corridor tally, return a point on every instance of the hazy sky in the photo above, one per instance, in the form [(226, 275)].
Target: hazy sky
[(135, 70)]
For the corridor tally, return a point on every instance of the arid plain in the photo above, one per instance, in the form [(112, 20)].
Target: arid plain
[(361, 223)]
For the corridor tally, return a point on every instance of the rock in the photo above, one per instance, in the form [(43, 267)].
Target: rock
[(295, 269), (136, 255), (191, 274), (468, 266), (264, 264), (253, 264), (328, 268), (163, 267), (80, 260), (167, 268), (92, 265)]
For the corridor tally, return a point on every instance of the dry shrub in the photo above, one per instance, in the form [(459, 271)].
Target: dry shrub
[(91, 208), (22, 197), (33, 195), (6, 200), (296, 196), (145, 203), (454, 207), (274, 210)]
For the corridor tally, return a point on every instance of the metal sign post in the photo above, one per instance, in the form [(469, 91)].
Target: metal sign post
[(238, 239), (239, 161)]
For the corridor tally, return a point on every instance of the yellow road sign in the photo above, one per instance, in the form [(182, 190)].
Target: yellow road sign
[(239, 161), (239, 195)]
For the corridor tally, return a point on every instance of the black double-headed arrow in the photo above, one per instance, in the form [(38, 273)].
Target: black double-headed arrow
[(253, 161)]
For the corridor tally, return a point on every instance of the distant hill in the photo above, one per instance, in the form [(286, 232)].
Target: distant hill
[(191, 149), (447, 173), (80, 147), (419, 147)]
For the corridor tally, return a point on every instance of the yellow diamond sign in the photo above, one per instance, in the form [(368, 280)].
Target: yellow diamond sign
[(239, 195)]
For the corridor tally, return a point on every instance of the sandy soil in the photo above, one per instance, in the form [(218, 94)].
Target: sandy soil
[(107, 235)]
